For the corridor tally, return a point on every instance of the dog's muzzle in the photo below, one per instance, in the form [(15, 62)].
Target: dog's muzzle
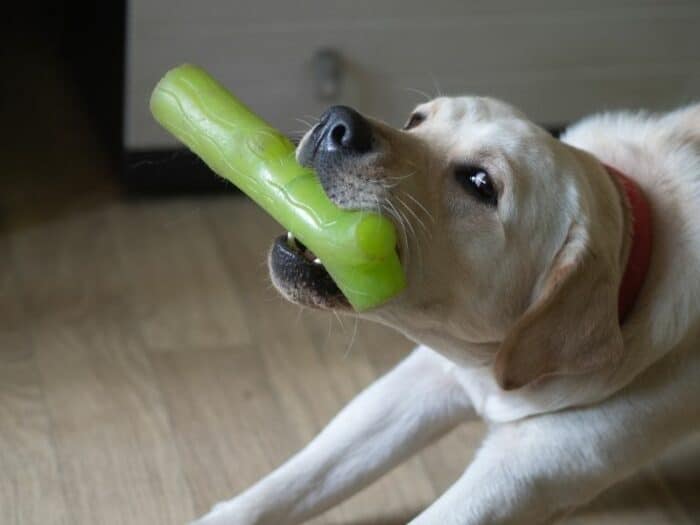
[(337, 149)]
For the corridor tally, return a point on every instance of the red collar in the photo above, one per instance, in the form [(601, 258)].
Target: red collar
[(640, 249)]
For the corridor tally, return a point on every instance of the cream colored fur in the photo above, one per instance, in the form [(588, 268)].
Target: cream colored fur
[(515, 312)]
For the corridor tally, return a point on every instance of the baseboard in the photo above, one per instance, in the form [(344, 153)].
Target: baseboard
[(170, 172)]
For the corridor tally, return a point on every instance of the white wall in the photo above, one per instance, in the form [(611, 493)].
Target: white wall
[(556, 59)]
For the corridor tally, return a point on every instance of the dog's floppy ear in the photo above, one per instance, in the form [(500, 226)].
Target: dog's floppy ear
[(572, 325)]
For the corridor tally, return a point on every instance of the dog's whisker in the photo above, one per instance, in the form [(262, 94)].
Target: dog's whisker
[(427, 232), (417, 240), (388, 185), (408, 222), (313, 118), (403, 229), (305, 122), (436, 85), (417, 202), (425, 95), (403, 237), (340, 321), (395, 180), (380, 209), (419, 252), (397, 215), (329, 334), (352, 339), (415, 216), (377, 206), (400, 177)]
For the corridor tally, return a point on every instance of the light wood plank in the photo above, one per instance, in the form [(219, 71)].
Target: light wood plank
[(31, 489), (30, 482), (228, 425), (111, 431), (109, 427), (181, 294)]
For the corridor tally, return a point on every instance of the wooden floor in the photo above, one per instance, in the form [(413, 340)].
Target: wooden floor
[(148, 370)]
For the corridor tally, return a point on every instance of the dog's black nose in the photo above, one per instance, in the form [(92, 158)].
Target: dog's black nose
[(345, 130)]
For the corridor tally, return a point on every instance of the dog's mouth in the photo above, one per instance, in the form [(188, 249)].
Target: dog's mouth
[(342, 150), (301, 277)]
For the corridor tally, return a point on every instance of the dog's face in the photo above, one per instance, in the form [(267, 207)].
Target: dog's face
[(495, 218)]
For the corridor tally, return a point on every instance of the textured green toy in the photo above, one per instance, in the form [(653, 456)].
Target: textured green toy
[(358, 249)]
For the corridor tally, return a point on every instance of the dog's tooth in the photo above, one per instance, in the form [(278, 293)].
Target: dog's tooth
[(317, 261), (290, 236)]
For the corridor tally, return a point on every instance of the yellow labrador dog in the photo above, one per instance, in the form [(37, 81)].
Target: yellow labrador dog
[(554, 290)]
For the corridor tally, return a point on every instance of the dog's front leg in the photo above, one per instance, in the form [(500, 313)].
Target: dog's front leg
[(391, 420), (539, 468)]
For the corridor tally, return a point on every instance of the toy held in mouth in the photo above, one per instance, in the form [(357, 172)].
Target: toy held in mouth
[(357, 248)]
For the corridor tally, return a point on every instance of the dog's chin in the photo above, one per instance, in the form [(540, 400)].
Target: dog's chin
[(301, 278)]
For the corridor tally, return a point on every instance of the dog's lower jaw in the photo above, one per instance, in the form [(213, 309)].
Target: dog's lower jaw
[(301, 281)]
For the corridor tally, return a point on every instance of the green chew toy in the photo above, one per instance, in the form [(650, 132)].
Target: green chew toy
[(357, 248)]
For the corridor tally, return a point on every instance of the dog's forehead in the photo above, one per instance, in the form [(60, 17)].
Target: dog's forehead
[(465, 123), (457, 110)]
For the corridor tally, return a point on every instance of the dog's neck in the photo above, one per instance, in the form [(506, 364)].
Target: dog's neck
[(637, 214)]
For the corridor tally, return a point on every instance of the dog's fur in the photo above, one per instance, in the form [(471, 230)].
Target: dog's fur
[(514, 307)]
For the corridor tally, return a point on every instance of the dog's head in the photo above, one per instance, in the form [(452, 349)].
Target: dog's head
[(510, 239)]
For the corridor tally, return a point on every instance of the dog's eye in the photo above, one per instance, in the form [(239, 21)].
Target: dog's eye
[(478, 183), (414, 120)]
